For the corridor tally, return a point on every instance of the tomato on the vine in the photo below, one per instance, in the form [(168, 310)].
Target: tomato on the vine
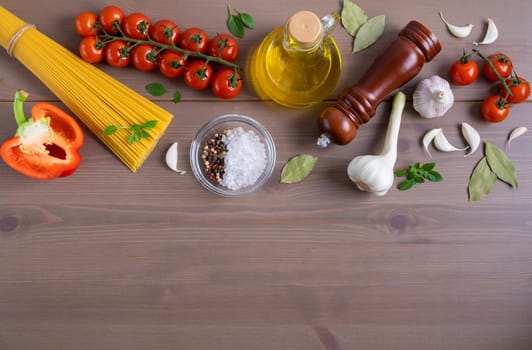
[(223, 46), (91, 49), (85, 24), (136, 26), (117, 53), (198, 75), (144, 57), (110, 19), (495, 109), (172, 64), (502, 64), (520, 89), (226, 83), (194, 39), (165, 32), (464, 71)]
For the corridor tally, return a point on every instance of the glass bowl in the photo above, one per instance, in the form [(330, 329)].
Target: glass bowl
[(248, 155)]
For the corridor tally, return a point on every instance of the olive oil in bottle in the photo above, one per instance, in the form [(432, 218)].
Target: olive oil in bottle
[(298, 65)]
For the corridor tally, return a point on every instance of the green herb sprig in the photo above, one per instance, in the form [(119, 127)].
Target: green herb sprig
[(416, 174), (239, 21), (136, 131)]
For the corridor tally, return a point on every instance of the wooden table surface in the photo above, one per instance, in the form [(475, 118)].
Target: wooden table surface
[(108, 259)]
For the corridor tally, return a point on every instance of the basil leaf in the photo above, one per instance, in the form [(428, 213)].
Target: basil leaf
[(235, 26), (481, 181), (155, 89), (501, 165), (369, 32), (247, 20), (406, 185), (177, 97), (297, 168), (353, 17), (428, 166), (111, 129), (400, 173), (149, 124), (433, 176)]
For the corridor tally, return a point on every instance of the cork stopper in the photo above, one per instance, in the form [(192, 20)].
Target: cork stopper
[(305, 28)]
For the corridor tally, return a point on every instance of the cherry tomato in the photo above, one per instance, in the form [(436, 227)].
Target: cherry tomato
[(91, 49), (464, 71), (136, 26), (110, 19), (198, 75), (194, 39), (117, 53), (501, 62), (172, 64), (165, 32), (495, 109), (226, 83), (520, 89), (224, 46), (85, 24), (144, 57)]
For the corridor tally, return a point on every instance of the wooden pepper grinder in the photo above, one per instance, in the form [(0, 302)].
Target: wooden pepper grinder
[(404, 58)]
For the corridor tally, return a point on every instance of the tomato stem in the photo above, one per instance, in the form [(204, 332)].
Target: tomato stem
[(105, 37), (490, 64)]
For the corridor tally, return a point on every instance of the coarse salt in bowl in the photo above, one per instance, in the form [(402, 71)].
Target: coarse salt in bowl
[(232, 155)]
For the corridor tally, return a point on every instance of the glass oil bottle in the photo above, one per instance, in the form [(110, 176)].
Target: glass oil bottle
[(298, 65)]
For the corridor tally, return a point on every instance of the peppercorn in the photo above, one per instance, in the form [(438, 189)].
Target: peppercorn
[(213, 155)]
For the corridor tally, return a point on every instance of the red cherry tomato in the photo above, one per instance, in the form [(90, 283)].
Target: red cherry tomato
[(224, 46), (172, 64), (464, 71), (520, 89), (226, 83), (495, 109), (503, 66), (117, 53), (91, 49), (198, 75), (110, 19), (144, 57), (194, 39), (85, 24), (136, 26), (165, 32)]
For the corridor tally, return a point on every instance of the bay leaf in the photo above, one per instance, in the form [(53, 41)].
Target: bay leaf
[(353, 17), (297, 168), (501, 165), (481, 181), (369, 32)]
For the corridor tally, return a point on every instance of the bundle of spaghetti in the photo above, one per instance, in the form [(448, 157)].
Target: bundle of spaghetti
[(96, 98)]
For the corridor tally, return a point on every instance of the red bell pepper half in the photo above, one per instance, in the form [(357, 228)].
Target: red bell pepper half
[(45, 146)]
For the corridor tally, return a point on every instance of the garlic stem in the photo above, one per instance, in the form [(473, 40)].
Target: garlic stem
[(374, 173)]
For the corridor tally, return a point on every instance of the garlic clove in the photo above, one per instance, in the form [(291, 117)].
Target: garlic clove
[(472, 137), (515, 134), (442, 144), (429, 137), (491, 35), (457, 31), (433, 97), (172, 158)]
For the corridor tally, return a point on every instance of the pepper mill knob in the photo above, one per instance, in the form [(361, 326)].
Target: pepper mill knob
[(402, 61)]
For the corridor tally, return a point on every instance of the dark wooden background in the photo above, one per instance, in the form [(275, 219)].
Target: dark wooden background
[(108, 259)]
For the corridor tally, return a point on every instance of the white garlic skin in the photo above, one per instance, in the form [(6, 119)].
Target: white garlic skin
[(433, 97), (371, 173)]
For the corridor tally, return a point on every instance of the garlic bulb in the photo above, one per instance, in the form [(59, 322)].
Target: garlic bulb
[(374, 173), (433, 97)]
